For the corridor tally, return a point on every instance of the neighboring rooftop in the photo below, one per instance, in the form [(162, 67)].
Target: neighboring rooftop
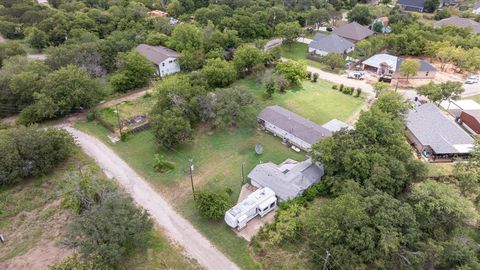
[(432, 127), (420, 4), (353, 31), (293, 123), (156, 54), (382, 58), (288, 179), (330, 43), (476, 5), (424, 65), (335, 125), (455, 107), (460, 22)]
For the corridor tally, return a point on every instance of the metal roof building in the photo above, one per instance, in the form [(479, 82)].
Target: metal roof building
[(330, 44), (353, 31)]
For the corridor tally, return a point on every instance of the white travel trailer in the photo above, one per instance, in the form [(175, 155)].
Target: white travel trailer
[(260, 202)]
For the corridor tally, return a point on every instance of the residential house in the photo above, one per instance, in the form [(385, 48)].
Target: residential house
[(435, 135), (323, 44), (412, 5), (476, 8), (291, 127), (459, 22), (163, 58), (288, 179), (386, 64), (353, 32)]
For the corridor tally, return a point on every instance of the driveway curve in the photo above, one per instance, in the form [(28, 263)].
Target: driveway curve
[(177, 228)]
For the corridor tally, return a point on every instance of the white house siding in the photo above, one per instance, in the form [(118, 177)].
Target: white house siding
[(288, 136), (323, 53), (168, 66)]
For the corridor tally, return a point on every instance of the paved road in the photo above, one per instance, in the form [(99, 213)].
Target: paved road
[(176, 227)]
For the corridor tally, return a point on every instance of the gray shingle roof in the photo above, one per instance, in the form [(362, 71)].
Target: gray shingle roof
[(433, 128), (424, 65), (353, 31), (288, 179), (476, 5), (412, 3), (460, 22), (330, 43), (156, 54), (293, 123)]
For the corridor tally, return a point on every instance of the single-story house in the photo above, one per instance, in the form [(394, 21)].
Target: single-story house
[(323, 44), (353, 32), (272, 44), (288, 179), (412, 5), (163, 58), (459, 22), (335, 125), (291, 127), (476, 8), (386, 64), (435, 135)]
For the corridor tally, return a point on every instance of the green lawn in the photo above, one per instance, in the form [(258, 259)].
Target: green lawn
[(315, 101), (299, 51), (218, 156), (127, 109), (476, 98)]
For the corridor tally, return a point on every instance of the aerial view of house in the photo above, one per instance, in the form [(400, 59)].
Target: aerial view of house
[(435, 135), (164, 59), (324, 44), (288, 179), (291, 127), (413, 5), (389, 64), (459, 22), (353, 32)]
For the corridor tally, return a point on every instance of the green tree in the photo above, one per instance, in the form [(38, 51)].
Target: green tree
[(289, 32), (135, 71), (318, 17), (9, 49), (377, 27), (212, 205), (293, 71), (431, 5), (36, 38), (246, 58), (360, 14), (364, 47), (409, 68), (391, 102), (186, 37), (219, 73), (171, 128), (333, 60), (439, 92), (108, 231), (380, 87)]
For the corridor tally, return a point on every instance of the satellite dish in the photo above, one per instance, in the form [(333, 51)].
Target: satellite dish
[(258, 149)]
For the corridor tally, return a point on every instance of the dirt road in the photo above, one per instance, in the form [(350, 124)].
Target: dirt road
[(176, 227)]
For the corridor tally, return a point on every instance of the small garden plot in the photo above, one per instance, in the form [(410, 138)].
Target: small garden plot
[(299, 51), (130, 113)]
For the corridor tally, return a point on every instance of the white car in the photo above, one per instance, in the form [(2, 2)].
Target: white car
[(472, 79), (358, 75)]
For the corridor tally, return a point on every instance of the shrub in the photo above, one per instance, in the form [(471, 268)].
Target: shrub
[(90, 116), (340, 88), (309, 75), (212, 205), (310, 193), (359, 92), (334, 87), (161, 164), (315, 77)]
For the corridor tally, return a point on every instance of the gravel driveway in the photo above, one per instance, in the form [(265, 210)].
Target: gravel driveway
[(176, 227)]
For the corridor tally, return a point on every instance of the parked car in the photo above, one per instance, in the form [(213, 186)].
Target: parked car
[(385, 79), (358, 75), (329, 29), (472, 79)]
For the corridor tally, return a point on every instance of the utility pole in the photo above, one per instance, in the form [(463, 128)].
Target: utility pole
[(190, 161), (326, 261), (243, 173), (118, 119)]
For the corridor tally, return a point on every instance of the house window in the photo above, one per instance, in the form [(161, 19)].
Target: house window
[(170, 61), (163, 64), (426, 74)]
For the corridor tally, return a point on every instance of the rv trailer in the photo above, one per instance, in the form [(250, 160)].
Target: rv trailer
[(260, 202)]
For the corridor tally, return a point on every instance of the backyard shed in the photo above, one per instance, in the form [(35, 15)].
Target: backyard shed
[(291, 127), (288, 179), (163, 58)]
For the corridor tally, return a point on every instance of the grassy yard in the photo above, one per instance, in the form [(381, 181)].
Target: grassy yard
[(315, 101), (299, 51), (127, 109), (32, 219), (218, 156), (476, 98)]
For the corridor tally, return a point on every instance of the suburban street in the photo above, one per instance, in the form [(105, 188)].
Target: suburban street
[(175, 226)]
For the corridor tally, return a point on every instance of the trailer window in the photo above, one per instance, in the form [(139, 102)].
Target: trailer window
[(272, 205)]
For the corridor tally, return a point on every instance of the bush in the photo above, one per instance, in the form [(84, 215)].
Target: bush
[(30, 152), (340, 88), (359, 92), (212, 205), (309, 75), (334, 87), (161, 164), (91, 115), (315, 77), (110, 230)]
